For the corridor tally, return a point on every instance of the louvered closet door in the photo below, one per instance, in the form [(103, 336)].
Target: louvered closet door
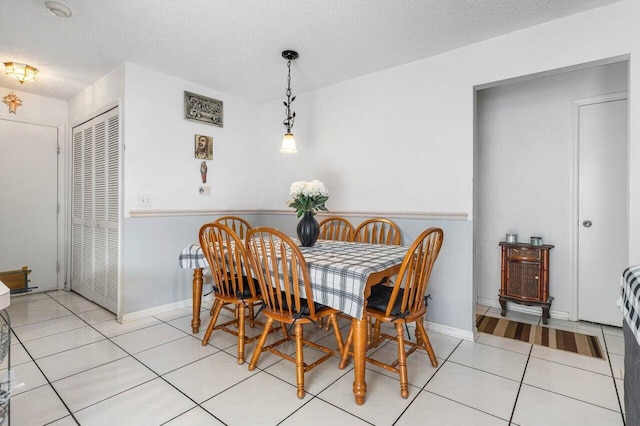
[(95, 268)]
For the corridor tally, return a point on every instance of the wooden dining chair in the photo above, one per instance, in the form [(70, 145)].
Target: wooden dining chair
[(336, 228), (237, 224), (225, 253), (378, 231), (286, 290), (401, 304)]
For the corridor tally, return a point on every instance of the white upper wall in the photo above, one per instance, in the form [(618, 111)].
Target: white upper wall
[(159, 156), (402, 139), (36, 109), (98, 97)]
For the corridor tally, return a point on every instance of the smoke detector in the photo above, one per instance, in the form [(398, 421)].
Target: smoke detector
[(58, 9)]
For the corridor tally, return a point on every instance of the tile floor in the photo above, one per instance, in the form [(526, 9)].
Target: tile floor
[(79, 366)]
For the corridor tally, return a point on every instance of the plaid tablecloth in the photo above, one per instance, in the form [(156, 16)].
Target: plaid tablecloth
[(629, 301), (338, 270), (192, 257)]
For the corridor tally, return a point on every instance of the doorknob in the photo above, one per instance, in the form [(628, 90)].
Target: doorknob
[(587, 224)]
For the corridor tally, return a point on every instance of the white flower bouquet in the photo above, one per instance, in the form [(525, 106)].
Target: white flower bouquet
[(308, 197)]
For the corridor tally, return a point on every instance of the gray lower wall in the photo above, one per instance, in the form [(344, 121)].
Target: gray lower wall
[(152, 276)]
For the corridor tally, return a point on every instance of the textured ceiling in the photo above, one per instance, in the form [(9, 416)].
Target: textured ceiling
[(235, 46)]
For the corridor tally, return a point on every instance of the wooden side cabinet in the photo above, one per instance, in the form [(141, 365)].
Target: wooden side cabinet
[(524, 276)]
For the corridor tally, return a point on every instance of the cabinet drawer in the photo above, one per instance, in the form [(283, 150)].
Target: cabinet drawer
[(524, 253)]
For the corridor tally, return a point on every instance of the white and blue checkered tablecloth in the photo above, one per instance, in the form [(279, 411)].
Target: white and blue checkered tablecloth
[(338, 270), (629, 301)]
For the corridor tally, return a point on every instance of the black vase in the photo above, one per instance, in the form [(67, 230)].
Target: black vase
[(308, 230)]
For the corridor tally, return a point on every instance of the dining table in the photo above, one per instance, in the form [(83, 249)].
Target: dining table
[(341, 274)]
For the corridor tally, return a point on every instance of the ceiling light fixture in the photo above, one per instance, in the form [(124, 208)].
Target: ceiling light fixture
[(289, 142), (21, 72), (58, 9)]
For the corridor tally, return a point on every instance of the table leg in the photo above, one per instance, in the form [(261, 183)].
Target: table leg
[(197, 299), (359, 352)]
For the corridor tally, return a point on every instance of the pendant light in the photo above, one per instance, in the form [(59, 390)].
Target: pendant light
[(289, 142)]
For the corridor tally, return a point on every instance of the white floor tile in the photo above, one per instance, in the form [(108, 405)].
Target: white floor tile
[(194, 417), (615, 344), (18, 355), (65, 421), (114, 328), (614, 331), (209, 376), (92, 386), (383, 403), (28, 376), (580, 384), (620, 388), (97, 315), (483, 391), (308, 415), (60, 342), (151, 403), (442, 345), (174, 314), (419, 368), (175, 354), (80, 359), (48, 328), (147, 338), (539, 407), (82, 306), (434, 409), (37, 407), (490, 359), (315, 380), (36, 316), (278, 403)]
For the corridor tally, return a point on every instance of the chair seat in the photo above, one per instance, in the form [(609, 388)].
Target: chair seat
[(247, 290), (304, 307), (379, 299)]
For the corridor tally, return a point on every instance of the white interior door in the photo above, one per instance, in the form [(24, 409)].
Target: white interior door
[(28, 201), (602, 208)]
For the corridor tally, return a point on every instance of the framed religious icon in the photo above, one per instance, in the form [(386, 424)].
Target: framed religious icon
[(202, 109), (204, 147)]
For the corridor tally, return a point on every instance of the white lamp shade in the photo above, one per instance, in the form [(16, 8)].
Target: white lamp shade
[(288, 144)]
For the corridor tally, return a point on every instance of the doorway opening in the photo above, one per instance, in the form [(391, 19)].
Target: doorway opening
[(524, 181)]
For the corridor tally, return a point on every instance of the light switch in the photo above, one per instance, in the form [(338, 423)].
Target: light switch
[(144, 200)]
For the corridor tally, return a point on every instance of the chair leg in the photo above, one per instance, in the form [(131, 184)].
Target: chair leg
[(375, 340), (258, 349), (344, 359), (241, 311), (252, 316), (299, 361), (402, 362), (427, 344), (336, 330), (215, 311)]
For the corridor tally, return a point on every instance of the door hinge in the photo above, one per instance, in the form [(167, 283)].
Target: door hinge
[(58, 150), (57, 266)]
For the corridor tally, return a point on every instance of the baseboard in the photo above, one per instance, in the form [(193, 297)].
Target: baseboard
[(450, 331), (515, 307), (160, 309)]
